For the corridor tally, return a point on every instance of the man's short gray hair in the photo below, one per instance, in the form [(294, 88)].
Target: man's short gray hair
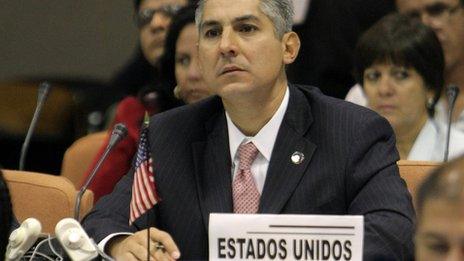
[(279, 11)]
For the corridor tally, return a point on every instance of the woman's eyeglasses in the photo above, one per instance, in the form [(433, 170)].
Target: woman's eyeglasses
[(440, 12), (145, 16)]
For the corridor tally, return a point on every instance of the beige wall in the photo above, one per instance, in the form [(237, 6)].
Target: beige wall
[(65, 38)]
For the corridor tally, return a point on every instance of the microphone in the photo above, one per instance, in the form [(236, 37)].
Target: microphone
[(452, 92), (22, 239), (119, 133), (44, 89), (75, 241)]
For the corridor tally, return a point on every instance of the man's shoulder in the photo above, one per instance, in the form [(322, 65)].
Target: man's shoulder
[(189, 116), (323, 105)]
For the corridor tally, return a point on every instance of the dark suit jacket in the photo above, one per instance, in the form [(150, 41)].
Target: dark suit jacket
[(349, 168)]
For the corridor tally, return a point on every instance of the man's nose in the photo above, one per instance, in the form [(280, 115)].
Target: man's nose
[(228, 44), (159, 22)]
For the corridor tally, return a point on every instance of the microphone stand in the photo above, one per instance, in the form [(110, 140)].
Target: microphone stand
[(44, 89), (452, 93), (119, 133)]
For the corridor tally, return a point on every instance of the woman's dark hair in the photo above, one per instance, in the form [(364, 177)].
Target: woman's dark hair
[(6, 214), (404, 41), (184, 17)]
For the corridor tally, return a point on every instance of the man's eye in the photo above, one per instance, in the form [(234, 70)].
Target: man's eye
[(211, 33), (438, 247), (247, 28)]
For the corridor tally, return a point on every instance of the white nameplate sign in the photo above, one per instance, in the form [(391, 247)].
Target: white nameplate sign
[(285, 237)]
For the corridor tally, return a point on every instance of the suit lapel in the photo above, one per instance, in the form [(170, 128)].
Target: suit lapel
[(213, 169), (212, 163), (283, 174)]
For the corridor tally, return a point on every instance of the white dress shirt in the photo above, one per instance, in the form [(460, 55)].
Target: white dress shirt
[(356, 95), (431, 141), (264, 140)]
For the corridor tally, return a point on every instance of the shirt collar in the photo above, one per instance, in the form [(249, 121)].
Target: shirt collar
[(265, 139)]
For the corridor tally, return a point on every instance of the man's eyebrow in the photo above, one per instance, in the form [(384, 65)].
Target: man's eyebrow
[(245, 18), (209, 23), (433, 235)]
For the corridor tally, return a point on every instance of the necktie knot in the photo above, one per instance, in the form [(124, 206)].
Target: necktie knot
[(247, 153)]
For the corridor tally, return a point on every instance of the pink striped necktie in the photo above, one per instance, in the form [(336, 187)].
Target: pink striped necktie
[(245, 193)]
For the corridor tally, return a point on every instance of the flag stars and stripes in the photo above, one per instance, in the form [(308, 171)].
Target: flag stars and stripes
[(144, 195)]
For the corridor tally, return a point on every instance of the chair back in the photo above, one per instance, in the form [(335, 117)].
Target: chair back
[(80, 155), (414, 172), (45, 197)]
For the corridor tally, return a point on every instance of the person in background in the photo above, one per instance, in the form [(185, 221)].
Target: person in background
[(152, 18), (446, 18), (440, 214), (329, 32), (179, 63), (180, 69), (6, 216), (399, 62)]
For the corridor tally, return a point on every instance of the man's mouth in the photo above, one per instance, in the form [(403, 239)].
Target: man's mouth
[(230, 69)]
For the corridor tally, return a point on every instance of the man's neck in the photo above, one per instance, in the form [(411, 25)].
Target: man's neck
[(456, 76), (250, 113)]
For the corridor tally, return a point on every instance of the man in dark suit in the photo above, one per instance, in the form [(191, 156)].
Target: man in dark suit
[(261, 145)]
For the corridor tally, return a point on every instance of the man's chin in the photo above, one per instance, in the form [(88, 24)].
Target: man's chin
[(234, 89)]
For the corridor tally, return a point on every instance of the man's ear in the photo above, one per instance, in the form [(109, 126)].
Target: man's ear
[(291, 46)]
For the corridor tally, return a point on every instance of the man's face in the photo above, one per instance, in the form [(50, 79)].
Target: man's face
[(153, 25), (446, 18), (440, 232), (239, 52)]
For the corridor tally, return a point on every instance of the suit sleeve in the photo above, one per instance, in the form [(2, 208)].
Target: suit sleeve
[(111, 213), (376, 190)]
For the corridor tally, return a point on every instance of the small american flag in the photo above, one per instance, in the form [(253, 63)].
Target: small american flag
[(144, 195)]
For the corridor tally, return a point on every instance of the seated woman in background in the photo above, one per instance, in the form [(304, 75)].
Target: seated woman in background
[(399, 62), (440, 214), (179, 70)]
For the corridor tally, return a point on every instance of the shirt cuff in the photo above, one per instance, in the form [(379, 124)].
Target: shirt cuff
[(102, 244)]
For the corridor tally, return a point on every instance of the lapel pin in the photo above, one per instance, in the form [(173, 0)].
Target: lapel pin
[(297, 157)]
